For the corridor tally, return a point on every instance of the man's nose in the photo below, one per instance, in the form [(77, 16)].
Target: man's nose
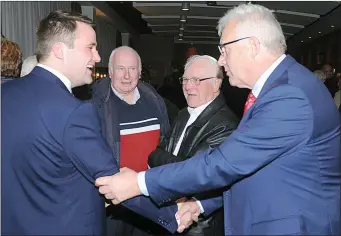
[(221, 60), (96, 57), (126, 74)]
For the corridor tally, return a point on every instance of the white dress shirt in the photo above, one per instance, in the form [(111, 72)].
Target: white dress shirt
[(141, 180), (264, 77), (60, 76), (120, 96)]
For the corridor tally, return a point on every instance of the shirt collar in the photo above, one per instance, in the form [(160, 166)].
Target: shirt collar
[(60, 76), (264, 77), (136, 94), (198, 110)]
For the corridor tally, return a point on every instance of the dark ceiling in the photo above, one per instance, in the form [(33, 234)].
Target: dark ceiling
[(131, 15), (163, 18)]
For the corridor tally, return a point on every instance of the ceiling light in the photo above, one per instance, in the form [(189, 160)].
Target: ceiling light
[(181, 34), (332, 26), (185, 6), (180, 39), (182, 26), (310, 37), (319, 32), (302, 41), (183, 18)]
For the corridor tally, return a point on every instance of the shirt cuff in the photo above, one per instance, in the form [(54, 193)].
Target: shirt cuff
[(200, 205), (141, 181)]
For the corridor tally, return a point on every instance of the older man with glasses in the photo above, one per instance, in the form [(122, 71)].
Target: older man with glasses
[(204, 124), (281, 167)]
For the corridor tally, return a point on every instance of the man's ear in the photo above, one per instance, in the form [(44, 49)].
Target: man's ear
[(217, 84), (58, 50), (254, 46)]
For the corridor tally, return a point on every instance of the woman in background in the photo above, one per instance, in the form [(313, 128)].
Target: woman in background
[(10, 60)]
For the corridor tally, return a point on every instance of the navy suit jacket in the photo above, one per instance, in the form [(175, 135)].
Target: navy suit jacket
[(282, 163), (52, 153)]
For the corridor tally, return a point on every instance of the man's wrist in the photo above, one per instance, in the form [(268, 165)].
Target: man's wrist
[(141, 182)]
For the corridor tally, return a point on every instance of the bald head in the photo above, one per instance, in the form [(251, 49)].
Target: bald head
[(125, 51)]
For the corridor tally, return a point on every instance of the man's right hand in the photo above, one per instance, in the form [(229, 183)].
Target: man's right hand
[(188, 211), (119, 187)]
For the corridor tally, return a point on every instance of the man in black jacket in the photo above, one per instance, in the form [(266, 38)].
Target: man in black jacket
[(204, 124)]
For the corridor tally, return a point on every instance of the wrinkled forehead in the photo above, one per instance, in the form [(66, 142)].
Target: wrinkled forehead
[(125, 57), (200, 68)]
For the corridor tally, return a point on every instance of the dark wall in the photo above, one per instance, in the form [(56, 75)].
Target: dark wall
[(326, 49), (181, 49)]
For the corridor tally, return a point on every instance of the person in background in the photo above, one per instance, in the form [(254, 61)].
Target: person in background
[(28, 65), (204, 124), (321, 75), (280, 168), (337, 97), (11, 57), (134, 120), (331, 81)]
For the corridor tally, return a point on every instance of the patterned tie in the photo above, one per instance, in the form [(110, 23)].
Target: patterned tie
[(251, 99)]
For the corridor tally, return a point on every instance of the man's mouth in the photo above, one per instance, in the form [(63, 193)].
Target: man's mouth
[(90, 67)]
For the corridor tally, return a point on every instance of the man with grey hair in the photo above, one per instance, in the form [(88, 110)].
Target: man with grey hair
[(134, 119), (204, 124), (28, 65), (321, 75), (280, 168)]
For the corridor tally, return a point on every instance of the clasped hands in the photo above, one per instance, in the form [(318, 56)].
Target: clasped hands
[(123, 186)]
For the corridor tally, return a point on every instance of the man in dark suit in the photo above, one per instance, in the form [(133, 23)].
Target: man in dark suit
[(52, 148), (282, 163)]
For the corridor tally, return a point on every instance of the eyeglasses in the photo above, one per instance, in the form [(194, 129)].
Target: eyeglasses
[(193, 80), (221, 46)]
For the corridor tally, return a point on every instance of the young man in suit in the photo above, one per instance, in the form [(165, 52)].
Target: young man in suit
[(281, 165), (52, 147)]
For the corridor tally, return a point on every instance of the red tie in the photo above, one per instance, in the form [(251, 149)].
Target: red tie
[(251, 99)]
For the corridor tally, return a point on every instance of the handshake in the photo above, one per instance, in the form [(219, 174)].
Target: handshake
[(124, 185)]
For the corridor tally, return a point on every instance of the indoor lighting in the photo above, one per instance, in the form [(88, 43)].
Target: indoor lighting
[(183, 18), (185, 6), (310, 37), (332, 26), (319, 32), (302, 41), (182, 26), (181, 34)]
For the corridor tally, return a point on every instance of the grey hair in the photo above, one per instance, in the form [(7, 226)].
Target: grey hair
[(110, 69), (210, 59), (28, 65), (258, 21), (321, 75)]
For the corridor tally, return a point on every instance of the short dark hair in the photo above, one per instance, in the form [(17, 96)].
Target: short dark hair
[(58, 26)]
